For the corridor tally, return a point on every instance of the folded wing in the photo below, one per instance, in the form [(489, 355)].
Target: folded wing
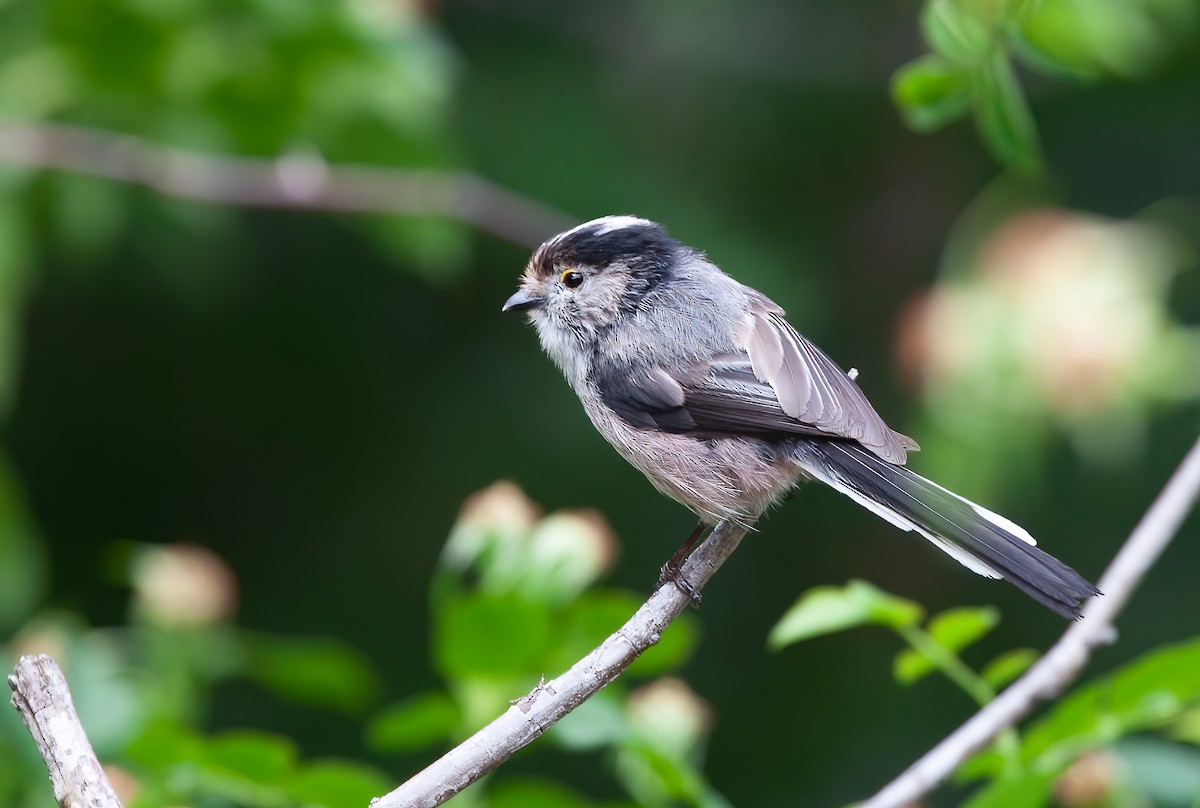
[(780, 384)]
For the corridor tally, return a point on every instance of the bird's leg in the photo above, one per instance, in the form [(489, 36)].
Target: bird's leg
[(671, 570)]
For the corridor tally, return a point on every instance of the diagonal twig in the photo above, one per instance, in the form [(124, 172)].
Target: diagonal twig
[(1066, 658), (41, 696), (533, 714)]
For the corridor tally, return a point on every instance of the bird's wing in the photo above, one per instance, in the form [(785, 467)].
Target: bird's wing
[(780, 384)]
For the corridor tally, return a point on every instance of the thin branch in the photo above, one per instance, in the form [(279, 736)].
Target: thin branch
[(41, 696), (301, 180), (1064, 661), (533, 714)]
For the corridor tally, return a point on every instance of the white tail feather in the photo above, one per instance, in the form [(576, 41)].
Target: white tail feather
[(954, 551)]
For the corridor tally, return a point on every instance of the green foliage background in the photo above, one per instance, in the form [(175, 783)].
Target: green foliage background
[(313, 396)]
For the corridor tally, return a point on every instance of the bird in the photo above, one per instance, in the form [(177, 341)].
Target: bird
[(700, 382)]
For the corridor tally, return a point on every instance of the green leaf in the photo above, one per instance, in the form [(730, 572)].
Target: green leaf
[(596, 614), (89, 217), (1008, 666), (245, 767), (1095, 38), (320, 671), (259, 757), (1187, 728), (1147, 693), (655, 776), (533, 793), (1167, 773), (911, 666), (162, 744), (953, 630), (957, 30), (493, 637), (599, 722), (829, 609), (413, 724), (1003, 116), (959, 628), (337, 784), (931, 92), (1028, 791)]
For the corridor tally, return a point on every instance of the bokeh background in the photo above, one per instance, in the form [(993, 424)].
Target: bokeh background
[(311, 394)]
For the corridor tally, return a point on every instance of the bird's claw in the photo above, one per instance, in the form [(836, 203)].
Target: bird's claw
[(671, 573)]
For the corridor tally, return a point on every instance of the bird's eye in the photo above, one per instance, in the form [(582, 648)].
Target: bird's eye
[(571, 278)]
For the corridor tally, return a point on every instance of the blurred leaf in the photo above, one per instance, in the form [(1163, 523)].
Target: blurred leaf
[(911, 666), (246, 767), (596, 723), (89, 216), (37, 81), (654, 777), (22, 553), (22, 766), (1148, 692), (931, 92), (438, 248), (492, 636), (1003, 116), (828, 609), (954, 630), (338, 784), (1167, 773), (320, 671), (259, 757), (959, 628), (1187, 728), (596, 614), (162, 744), (533, 793), (358, 82), (1027, 791), (1008, 666), (113, 701), (1143, 694), (1092, 38), (675, 647), (957, 30), (413, 724)]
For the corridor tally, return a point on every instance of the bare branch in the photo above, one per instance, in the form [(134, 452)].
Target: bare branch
[(533, 714), (301, 181), (41, 696), (1063, 662)]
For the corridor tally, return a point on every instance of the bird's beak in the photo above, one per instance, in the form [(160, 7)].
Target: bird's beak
[(523, 300)]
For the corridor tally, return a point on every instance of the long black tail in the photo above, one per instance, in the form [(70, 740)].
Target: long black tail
[(980, 540)]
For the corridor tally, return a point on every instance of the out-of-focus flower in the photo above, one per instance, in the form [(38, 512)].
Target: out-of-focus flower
[(668, 726), (500, 533), (670, 715), (1088, 780), (183, 584), (123, 783), (1062, 318), (570, 549), (500, 512), (42, 635)]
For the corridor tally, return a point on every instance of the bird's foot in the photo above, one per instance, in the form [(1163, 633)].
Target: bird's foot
[(672, 574)]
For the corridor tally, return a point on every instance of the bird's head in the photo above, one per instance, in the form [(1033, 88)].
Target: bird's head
[(582, 282)]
